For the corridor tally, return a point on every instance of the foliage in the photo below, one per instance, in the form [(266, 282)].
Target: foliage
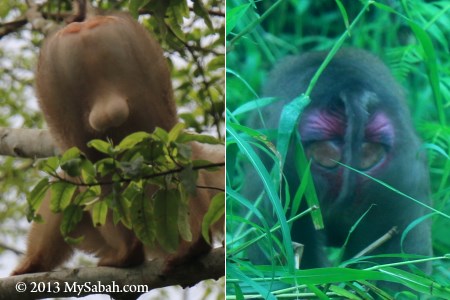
[(196, 54), (414, 45), (142, 166)]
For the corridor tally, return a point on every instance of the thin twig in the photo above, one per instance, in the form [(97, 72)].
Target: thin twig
[(386, 237)]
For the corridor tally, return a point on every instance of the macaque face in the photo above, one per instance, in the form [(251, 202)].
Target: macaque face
[(109, 76)]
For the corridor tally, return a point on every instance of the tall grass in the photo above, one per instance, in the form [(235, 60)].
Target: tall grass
[(413, 39)]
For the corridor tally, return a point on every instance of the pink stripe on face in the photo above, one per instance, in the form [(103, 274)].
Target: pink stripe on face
[(380, 130), (323, 125)]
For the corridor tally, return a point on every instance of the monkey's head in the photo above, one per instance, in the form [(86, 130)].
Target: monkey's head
[(103, 77), (357, 118)]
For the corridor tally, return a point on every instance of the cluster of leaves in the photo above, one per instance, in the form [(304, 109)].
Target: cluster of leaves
[(196, 35), (145, 182), (258, 35), (170, 14)]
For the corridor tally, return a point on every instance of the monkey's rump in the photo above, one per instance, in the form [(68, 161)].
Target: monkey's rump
[(110, 74)]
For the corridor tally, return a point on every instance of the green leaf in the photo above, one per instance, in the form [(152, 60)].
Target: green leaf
[(184, 225), (176, 131), (302, 166), (343, 292), (176, 12), (72, 215), (37, 194), (105, 166), (288, 123), (247, 85), (142, 215), (135, 5), (119, 205), (216, 63), (166, 217), (71, 162), (201, 138), (190, 121), (88, 196), (200, 10), (216, 211), (73, 241), (72, 167), (272, 194), (235, 272), (255, 104), (99, 213), (343, 13), (101, 146), (429, 57), (88, 172), (132, 169), (184, 150), (61, 195), (132, 140), (233, 16), (161, 135), (49, 165), (188, 177), (70, 154)]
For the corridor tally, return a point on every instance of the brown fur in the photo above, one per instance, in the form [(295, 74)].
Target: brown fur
[(107, 77)]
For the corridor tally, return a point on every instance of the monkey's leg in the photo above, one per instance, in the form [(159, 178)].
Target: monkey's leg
[(125, 250), (46, 247), (193, 252), (198, 206)]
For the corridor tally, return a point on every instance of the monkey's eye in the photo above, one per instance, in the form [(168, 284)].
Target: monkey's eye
[(324, 153), (371, 154)]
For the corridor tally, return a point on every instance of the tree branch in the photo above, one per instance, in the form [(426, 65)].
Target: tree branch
[(116, 282), (28, 143), (37, 20), (10, 248), (8, 27)]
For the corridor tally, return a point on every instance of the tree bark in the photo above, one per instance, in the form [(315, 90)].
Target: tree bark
[(27, 143), (113, 281)]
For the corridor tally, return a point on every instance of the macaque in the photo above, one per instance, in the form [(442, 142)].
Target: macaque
[(106, 77), (357, 117)]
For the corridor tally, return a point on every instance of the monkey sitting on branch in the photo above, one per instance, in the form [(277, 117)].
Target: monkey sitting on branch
[(106, 78)]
